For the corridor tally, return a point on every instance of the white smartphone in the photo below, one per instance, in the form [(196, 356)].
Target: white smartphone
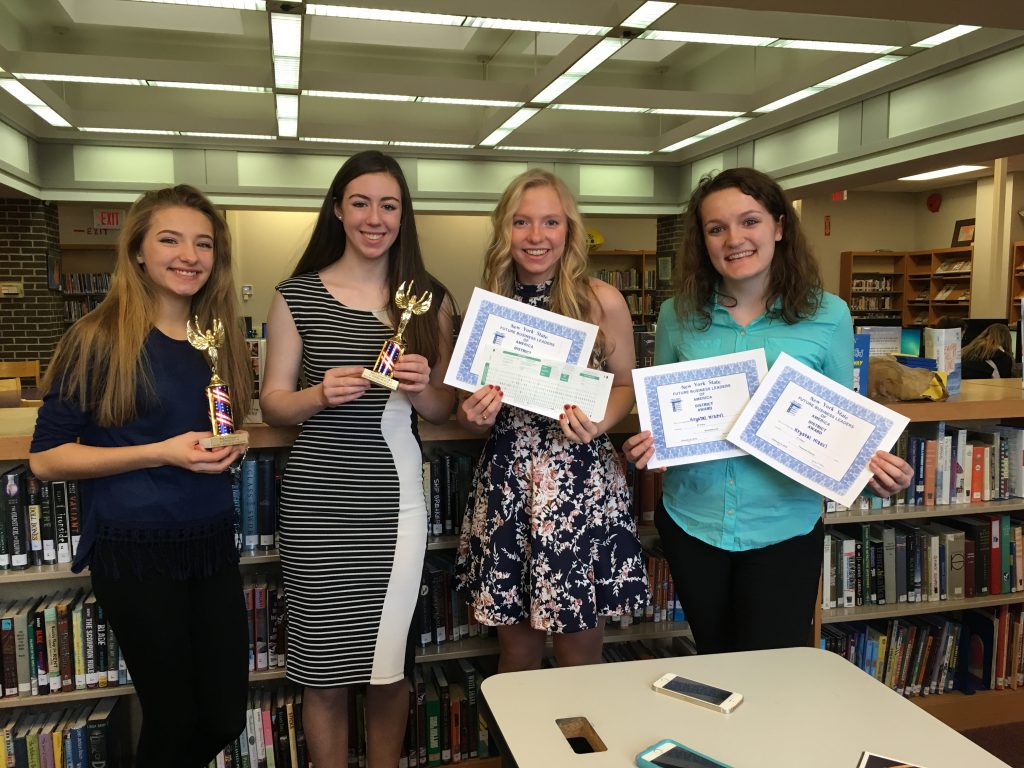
[(699, 693), (672, 754)]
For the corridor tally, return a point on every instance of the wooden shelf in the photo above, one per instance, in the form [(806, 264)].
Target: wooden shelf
[(869, 612), (917, 512), (65, 698), (962, 712)]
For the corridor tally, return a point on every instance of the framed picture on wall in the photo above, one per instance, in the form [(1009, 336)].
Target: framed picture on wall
[(963, 233), (53, 269)]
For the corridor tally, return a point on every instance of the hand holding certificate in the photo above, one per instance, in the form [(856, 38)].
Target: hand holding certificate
[(814, 430), (548, 356)]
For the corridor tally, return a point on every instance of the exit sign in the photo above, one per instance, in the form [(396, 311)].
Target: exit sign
[(103, 218)]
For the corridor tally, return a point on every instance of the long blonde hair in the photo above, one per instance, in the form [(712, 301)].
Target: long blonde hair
[(571, 294), (984, 346), (101, 360)]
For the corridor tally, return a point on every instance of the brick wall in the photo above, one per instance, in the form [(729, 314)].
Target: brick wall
[(670, 233), (30, 326)]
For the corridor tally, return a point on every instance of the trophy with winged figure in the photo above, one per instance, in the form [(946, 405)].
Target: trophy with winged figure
[(410, 304), (218, 394)]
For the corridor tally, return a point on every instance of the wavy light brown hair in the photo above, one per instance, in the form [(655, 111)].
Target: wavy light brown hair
[(994, 338), (101, 360), (571, 294), (794, 276), (405, 260)]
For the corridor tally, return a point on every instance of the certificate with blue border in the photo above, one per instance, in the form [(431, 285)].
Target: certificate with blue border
[(689, 407), (815, 431), (497, 321)]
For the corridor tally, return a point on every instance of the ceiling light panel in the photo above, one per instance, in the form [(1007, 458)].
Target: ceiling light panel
[(721, 128), (697, 112), (825, 45), (509, 125), (707, 38), (79, 78), (209, 86), (434, 144), (140, 131), (587, 63), (598, 108), (286, 72), (359, 95), (287, 114), (944, 37), (286, 34), (955, 170), (792, 98), (203, 134), (380, 14), (237, 5), (536, 149), (326, 140), (468, 102), (647, 14), (860, 71), (523, 25), (33, 102)]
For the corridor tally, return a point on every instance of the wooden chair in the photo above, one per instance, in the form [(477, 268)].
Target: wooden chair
[(22, 369), (10, 393)]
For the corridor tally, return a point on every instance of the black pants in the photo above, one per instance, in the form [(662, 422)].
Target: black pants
[(186, 647), (744, 601)]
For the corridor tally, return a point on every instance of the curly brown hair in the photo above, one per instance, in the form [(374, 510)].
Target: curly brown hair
[(794, 276)]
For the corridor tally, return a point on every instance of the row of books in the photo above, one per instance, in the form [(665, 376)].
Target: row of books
[(953, 293), (638, 304), (256, 500), (921, 656), (922, 561), (859, 303), (273, 736), (58, 643), (75, 309), (627, 279), (39, 521), (873, 283), (955, 464), (85, 282), (92, 735), (446, 723), (953, 265), (267, 619)]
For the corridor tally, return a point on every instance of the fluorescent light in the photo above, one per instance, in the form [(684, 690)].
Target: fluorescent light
[(587, 63), (523, 25), (429, 144), (327, 140), (79, 78), (468, 102), (208, 135), (142, 131), (286, 34), (724, 126), (647, 14), (357, 95), (286, 72), (944, 37), (791, 99), (537, 149), (706, 134), (704, 37), (209, 86), (616, 151), (33, 102), (379, 14), (681, 144), (517, 119), (944, 172), (697, 112), (287, 114), (826, 45), (237, 5), (597, 108), (856, 72)]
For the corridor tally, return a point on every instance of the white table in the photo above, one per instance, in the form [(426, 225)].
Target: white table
[(801, 707)]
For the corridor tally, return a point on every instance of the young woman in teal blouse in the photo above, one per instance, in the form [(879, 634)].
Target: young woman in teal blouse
[(743, 541)]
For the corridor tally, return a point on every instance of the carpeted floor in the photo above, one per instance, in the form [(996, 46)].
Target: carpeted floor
[(1004, 741)]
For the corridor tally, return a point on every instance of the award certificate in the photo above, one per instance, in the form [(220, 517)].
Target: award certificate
[(815, 431), (546, 386), (689, 407), (496, 321)]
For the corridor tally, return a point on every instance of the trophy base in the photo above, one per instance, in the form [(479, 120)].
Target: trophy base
[(219, 441), (381, 379)]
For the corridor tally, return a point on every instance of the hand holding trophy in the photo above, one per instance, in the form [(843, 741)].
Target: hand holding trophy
[(410, 304), (218, 393)]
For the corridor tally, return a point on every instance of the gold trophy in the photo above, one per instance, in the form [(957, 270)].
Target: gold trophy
[(218, 395), (410, 304)]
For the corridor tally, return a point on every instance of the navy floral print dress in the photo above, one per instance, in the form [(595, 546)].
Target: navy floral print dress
[(548, 537)]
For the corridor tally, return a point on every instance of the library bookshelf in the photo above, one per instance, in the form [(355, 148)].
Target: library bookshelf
[(1016, 282), (642, 277), (84, 277), (907, 287), (984, 402)]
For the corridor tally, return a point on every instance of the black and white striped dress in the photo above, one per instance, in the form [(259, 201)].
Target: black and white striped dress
[(353, 515)]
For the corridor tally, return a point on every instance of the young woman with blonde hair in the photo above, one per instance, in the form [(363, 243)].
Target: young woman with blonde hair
[(124, 412), (987, 356), (548, 542)]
